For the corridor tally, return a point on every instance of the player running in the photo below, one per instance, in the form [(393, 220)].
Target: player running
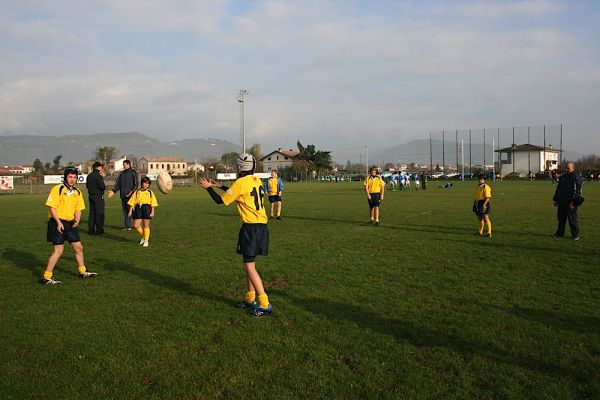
[(253, 240)]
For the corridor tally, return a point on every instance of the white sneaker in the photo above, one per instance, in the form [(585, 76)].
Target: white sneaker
[(145, 243), (142, 241)]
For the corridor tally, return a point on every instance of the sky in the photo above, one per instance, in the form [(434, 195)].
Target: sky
[(336, 74)]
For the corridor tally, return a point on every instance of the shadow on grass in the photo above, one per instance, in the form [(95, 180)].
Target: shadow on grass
[(407, 331), (158, 279), (25, 260)]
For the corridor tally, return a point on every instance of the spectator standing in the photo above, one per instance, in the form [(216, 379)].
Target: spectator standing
[(126, 183), (565, 198), (96, 187)]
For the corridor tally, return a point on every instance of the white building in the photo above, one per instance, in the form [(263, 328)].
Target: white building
[(279, 159), (173, 165), (523, 158)]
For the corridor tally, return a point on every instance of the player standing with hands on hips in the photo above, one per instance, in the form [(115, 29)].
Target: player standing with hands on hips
[(126, 183), (253, 240)]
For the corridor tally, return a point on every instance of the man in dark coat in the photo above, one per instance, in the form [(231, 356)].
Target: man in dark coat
[(95, 186), (126, 183), (567, 191)]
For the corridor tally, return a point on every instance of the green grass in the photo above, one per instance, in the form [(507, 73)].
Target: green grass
[(416, 308)]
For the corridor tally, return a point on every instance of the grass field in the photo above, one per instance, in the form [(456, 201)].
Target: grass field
[(416, 308)]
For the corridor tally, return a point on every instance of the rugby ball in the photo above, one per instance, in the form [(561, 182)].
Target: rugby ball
[(164, 182)]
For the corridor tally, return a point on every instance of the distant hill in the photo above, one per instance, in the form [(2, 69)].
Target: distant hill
[(24, 149), (417, 151)]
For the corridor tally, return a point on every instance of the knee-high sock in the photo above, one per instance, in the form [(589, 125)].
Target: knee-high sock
[(489, 225), (146, 234), (140, 231), (481, 224)]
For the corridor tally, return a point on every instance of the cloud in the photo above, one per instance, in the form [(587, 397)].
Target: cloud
[(330, 73)]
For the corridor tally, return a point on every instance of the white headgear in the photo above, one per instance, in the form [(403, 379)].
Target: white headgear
[(246, 162)]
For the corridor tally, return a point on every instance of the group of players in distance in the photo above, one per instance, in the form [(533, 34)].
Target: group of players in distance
[(65, 204)]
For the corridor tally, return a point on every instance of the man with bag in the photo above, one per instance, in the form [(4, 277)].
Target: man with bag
[(567, 198)]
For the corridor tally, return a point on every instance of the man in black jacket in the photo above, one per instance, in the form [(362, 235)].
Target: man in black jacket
[(127, 182), (95, 186), (567, 190)]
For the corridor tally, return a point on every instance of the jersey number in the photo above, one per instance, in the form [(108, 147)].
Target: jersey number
[(259, 197)]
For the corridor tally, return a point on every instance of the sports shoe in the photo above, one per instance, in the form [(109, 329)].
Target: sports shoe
[(246, 304), (271, 217), (142, 241), (50, 281), (262, 312), (88, 274), (477, 234), (576, 238), (145, 243), (376, 223), (488, 235), (279, 218)]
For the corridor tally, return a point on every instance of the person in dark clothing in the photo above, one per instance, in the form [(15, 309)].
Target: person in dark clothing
[(95, 186), (126, 183), (567, 190)]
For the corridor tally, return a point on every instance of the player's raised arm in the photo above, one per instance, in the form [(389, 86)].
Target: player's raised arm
[(208, 185)]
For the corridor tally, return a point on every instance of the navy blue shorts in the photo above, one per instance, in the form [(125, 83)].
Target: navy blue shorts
[(68, 234), (253, 240), (274, 198), (375, 200), (478, 208), (142, 211)]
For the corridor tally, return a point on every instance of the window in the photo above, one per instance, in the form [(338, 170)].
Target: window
[(163, 166), (278, 157), (269, 158), (151, 166)]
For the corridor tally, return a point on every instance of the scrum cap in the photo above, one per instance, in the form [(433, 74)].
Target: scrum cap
[(246, 162)]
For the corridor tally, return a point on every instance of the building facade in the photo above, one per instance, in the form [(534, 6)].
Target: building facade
[(279, 159), (525, 158), (176, 166)]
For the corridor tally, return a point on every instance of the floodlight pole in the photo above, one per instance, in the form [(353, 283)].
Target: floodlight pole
[(241, 95)]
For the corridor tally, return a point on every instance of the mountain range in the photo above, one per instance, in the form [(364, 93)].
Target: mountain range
[(24, 149)]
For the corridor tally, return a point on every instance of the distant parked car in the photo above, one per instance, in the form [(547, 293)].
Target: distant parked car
[(543, 176)]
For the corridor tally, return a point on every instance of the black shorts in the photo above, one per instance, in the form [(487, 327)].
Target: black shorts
[(69, 234), (274, 198), (253, 240), (478, 208), (375, 200), (142, 211)]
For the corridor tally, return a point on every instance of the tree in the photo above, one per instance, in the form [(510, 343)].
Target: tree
[(105, 153), (56, 163), (437, 168), (38, 166), (256, 151), (317, 160), (47, 167), (229, 160)]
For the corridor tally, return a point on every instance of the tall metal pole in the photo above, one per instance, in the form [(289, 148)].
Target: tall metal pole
[(367, 158), (545, 166), (470, 161), (484, 150), (512, 154), (561, 150), (242, 94), (456, 140), (493, 161), (528, 153), (430, 155), (462, 156), (443, 152)]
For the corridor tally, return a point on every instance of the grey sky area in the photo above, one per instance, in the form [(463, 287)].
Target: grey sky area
[(337, 74)]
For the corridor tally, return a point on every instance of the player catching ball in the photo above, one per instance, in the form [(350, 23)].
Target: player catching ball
[(141, 207), (253, 240)]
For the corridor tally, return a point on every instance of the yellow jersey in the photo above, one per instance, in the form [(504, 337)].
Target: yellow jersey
[(66, 201), (374, 184), (248, 193), (482, 192), (273, 186), (143, 197)]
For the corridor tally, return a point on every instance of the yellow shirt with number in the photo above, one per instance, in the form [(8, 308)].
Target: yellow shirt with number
[(374, 184), (143, 197), (273, 183), (483, 192), (248, 193), (65, 201)]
